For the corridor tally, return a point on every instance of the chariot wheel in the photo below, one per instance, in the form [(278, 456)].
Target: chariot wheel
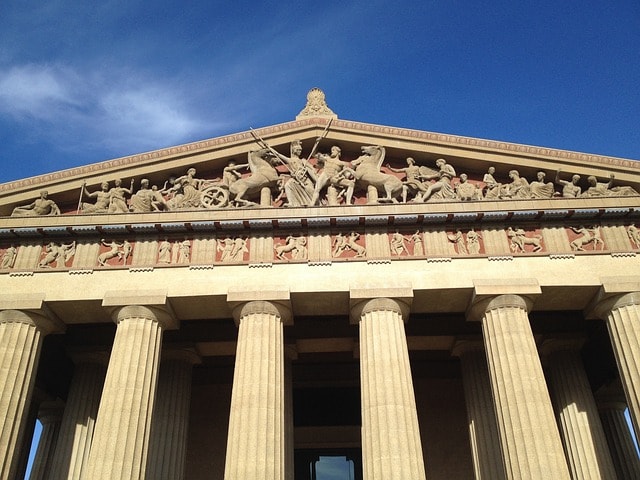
[(214, 197)]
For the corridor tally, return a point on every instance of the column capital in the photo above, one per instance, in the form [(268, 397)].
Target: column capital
[(465, 345), (477, 309), (550, 346), (30, 309), (392, 299), (183, 353), (151, 304), (615, 292), (246, 301)]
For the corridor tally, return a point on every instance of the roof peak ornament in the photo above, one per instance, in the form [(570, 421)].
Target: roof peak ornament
[(316, 106)]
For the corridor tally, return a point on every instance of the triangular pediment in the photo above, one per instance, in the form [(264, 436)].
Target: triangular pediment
[(469, 156)]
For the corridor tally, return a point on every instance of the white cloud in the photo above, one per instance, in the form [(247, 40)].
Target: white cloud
[(120, 111)]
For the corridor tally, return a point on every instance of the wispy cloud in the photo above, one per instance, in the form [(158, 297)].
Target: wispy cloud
[(110, 108)]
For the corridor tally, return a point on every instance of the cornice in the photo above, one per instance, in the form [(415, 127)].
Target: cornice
[(432, 138)]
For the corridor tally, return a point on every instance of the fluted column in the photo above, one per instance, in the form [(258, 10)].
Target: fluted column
[(78, 421), (391, 447), (483, 430), (616, 429), (622, 314), (50, 416), (580, 427), (168, 443), (255, 443), (290, 354), (21, 334), (529, 438), (121, 435)]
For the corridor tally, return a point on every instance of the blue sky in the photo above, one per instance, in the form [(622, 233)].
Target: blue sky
[(82, 82)]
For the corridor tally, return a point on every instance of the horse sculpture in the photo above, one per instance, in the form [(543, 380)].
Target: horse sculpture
[(368, 174), (263, 174)]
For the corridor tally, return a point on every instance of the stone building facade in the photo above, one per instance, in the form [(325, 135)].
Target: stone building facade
[(419, 305)]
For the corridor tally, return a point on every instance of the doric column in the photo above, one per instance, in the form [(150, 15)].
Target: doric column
[(290, 354), (584, 441), (391, 447), (24, 321), (256, 443), (78, 421), (121, 435), (529, 438), (616, 429), (168, 443), (483, 430), (622, 314), (50, 416)]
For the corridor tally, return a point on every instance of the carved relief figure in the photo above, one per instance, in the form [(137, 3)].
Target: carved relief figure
[(413, 179), (115, 250), (587, 236), (518, 188), (368, 173), (263, 174), (9, 257), (184, 251), (300, 188), (418, 244), (458, 240), (473, 242), (143, 200), (117, 197), (519, 239), (60, 254), (102, 197), (541, 189), (442, 188), (491, 185), (569, 189), (233, 250), (335, 174), (597, 189), (465, 190), (294, 246), (164, 251), (39, 207), (186, 191), (343, 243), (634, 235), (397, 244)]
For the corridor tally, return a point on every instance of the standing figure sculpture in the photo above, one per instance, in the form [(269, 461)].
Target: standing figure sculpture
[(39, 207), (397, 244), (334, 174), (492, 186), (299, 189)]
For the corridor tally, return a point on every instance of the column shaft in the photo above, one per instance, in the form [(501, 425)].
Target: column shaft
[(76, 430), (623, 451), (391, 446), (50, 415), (585, 444), (255, 444), (529, 438), (623, 322), (20, 342), (121, 435), (483, 430), (167, 448)]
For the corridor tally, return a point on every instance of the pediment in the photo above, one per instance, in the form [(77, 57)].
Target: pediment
[(469, 156)]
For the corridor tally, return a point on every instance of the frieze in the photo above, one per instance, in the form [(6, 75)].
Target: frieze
[(373, 244)]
